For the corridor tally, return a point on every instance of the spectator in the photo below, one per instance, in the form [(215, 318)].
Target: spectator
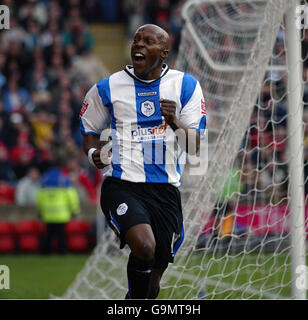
[(76, 33), (81, 181), (22, 155), (33, 9), (7, 177), (7, 192), (90, 66), (43, 125), (15, 34), (3, 78), (57, 202), (15, 97), (4, 119), (32, 37), (6, 171), (27, 187)]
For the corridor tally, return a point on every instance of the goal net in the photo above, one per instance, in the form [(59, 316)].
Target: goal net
[(237, 215)]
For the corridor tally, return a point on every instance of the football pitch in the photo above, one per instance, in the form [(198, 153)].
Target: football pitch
[(242, 276), (40, 277)]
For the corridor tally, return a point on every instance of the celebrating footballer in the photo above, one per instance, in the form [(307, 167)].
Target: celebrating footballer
[(159, 108)]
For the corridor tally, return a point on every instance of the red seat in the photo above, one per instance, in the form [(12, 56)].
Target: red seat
[(29, 242), (7, 237), (77, 232), (77, 242), (28, 235), (77, 226), (7, 244), (28, 226), (6, 227)]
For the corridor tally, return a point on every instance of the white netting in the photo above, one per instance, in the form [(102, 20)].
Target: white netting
[(236, 216)]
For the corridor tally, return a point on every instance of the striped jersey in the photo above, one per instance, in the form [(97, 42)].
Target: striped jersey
[(144, 148)]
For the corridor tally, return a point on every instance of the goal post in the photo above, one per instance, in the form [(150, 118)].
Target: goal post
[(244, 219), (295, 132)]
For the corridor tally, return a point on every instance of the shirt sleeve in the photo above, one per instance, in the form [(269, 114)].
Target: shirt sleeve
[(193, 109), (94, 116)]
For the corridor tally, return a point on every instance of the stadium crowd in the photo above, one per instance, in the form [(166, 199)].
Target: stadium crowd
[(43, 81), (42, 84)]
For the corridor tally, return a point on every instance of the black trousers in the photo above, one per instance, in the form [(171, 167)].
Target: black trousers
[(54, 230)]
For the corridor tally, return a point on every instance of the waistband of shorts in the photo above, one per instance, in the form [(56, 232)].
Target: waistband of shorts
[(129, 183)]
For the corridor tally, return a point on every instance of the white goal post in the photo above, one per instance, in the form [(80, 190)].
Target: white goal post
[(245, 223), (295, 132)]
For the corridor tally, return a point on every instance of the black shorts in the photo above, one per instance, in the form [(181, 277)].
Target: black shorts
[(157, 204)]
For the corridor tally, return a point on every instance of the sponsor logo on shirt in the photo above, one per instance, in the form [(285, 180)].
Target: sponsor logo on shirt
[(147, 94), (150, 133)]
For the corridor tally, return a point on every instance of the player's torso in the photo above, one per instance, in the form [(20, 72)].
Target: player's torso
[(135, 103), (139, 132)]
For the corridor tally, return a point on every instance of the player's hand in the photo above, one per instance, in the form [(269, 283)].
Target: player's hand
[(168, 110), (101, 159)]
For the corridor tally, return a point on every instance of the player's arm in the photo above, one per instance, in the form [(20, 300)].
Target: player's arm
[(192, 115), (94, 118), (91, 142), (185, 134)]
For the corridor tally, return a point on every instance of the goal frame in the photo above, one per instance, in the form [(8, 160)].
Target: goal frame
[(294, 129)]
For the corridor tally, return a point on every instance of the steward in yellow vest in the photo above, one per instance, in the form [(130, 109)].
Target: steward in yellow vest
[(57, 202)]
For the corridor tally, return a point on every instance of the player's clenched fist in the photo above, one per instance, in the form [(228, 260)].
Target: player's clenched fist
[(100, 158), (168, 110)]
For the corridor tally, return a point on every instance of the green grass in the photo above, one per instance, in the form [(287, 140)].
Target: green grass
[(241, 276), (37, 277)]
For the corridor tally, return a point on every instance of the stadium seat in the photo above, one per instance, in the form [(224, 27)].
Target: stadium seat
[(28, 235), (77, 232), (7, 237), (77, 242), (77, 226), (28, 226)]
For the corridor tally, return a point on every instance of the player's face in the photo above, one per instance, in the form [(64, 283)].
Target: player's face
[(147, 53)]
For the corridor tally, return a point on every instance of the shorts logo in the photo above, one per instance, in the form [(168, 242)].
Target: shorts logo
[(122, 208), (147, 108)]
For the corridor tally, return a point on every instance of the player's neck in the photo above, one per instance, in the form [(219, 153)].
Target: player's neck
[(152, 75)]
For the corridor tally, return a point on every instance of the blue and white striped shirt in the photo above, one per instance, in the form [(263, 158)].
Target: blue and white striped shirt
[(140, 137)]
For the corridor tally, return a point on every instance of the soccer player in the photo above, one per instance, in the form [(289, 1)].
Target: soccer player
[(153, 112)]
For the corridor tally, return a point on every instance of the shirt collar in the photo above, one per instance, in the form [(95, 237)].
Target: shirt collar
[(130, 71)]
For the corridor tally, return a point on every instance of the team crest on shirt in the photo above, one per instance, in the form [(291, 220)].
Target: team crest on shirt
[(122, 208), (148, 108)]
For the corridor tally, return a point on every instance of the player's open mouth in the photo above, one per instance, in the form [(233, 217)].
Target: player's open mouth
[(138, 57)]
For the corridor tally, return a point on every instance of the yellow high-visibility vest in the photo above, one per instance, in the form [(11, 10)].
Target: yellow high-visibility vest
[(57, 205)]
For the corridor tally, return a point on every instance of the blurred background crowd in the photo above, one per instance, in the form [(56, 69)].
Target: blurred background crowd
[(46, 67)]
